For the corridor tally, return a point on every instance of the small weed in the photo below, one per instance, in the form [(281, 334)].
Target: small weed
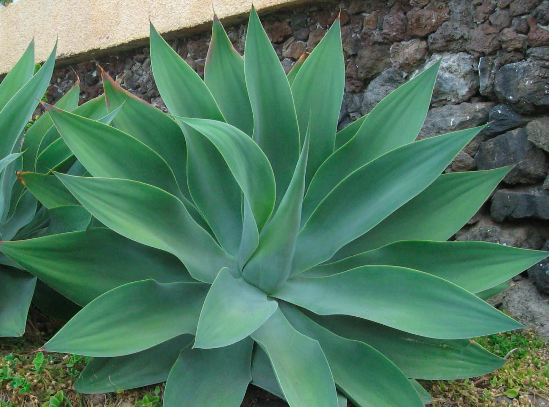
[(151, 400)]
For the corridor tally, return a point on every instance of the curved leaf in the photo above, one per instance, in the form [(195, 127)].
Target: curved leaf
[(392, 180), (210, 377), (141, 214), (16, 288), (108, 152), (362, 373), (248, 164), (435, 214), (348, 132), (262, 373), (47, 189), (149, 125), (36, 133), (394, 122), (233, 309), (105, 375), (269, 266), (162, 312), (66, 263), (224, 76), (19, 108), (474, 266), (275, 122), (416, 356), (301, 369), (389, 295), (18, 76), (318, 93), (297, 66)]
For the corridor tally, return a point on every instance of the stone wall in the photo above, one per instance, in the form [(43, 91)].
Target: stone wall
[(495, 68)]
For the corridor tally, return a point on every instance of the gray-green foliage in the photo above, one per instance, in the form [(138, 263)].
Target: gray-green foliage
[(236, 244)]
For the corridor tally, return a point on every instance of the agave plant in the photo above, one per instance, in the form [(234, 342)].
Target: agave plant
[(20, 92), (242, 240)]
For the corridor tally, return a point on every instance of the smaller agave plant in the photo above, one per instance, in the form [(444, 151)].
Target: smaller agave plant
[(21, 216), (39, 149), (242, 240)]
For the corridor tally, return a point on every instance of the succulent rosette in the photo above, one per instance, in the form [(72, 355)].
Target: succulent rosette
[(242, 239)]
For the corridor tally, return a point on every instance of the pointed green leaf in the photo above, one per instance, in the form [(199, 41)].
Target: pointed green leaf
[(74, 218), (348, 132), (491, 292), (94, 109), (362, 373), (262, 373), (7, 160), (210, 377), (151, 311), (108, 152), (150, 126), (474, 266), (422, 393), (318, 93), (106, 375), (18, 76), (269, 267), (350, 211), (140, 215), (47, 189), (16, 288), (66, 263), (248, 164), (299, 364), (394, 122), (21, 216), (232, 311), (56, 157), (182, 90), (275, 121), (224, 76), (37, 132), (435, 214), (399, 298), (416, 356), (18, 109)]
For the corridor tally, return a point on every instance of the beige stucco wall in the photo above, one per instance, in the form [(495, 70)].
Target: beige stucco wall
[(86, 26)]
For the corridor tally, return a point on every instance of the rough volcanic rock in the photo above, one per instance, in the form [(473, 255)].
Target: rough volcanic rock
[(293, 49), (457, 78), (519, 7), (537, 36), (380, 87), (502, 118), (373, 60), (394, 26), (484, 39), (450, 118), (527, 305), (462, 162), (500, 19), (511, 40), (422, 22), (538, 132), (487, 75), (539, 273), (483, 10), (278, 31), (406, 56), (508, 234), (513, 148), (524, 85), (541, 13), (512, 204), (451, 36)]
